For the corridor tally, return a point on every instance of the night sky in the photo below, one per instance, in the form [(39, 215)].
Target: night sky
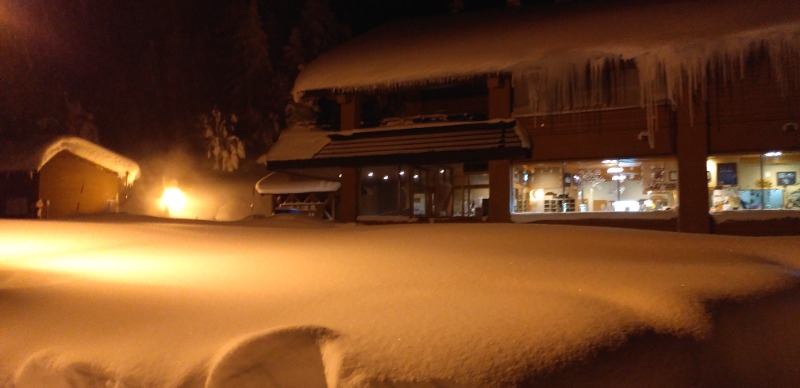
[(136, 75)]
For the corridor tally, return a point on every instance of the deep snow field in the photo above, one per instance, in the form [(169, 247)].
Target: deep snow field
[(120, 301)]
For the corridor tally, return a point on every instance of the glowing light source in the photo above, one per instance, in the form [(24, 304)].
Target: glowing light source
[(772, 154), (402, 173), (621, 206), (614, 170), (370, 174), (610, 161), (386, 177), (173, 200)]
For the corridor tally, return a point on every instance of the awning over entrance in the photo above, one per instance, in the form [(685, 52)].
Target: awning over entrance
[(285, 183), (462, 142)]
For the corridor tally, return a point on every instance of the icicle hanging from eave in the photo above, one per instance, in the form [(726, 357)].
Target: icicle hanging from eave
[(667, 75)]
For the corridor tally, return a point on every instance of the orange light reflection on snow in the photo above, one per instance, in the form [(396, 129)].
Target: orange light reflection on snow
[(84, 257)]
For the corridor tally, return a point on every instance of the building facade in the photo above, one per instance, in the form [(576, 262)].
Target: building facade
[(700, 139)]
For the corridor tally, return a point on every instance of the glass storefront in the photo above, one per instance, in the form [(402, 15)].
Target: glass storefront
[(754, 181), (620, 185), (446, 190)]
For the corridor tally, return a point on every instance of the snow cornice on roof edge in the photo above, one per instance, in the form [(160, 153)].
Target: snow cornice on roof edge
[(125, 168), (669, 40)]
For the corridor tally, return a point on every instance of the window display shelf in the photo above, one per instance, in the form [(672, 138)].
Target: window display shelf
[(559, 205)]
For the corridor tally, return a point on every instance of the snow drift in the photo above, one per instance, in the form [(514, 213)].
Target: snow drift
[(291, 302)]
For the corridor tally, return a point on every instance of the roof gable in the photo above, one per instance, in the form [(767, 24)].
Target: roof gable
[(32, 155)]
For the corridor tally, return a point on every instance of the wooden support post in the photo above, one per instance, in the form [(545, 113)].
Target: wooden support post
[(348, 195), (500, 190), (692, 144), (349, 111), (499, 96)]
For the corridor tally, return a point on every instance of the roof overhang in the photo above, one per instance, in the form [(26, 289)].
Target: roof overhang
[(462, 142), (286, 183)]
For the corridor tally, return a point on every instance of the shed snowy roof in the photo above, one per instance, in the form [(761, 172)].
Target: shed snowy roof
[(667, 38), (33, 154)]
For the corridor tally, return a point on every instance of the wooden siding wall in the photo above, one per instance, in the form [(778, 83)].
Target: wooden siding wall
[(749, 114), (76, 186), (471, 98), (598, 134)]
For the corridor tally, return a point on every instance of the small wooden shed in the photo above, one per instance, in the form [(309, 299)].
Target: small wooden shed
[(59, 177)]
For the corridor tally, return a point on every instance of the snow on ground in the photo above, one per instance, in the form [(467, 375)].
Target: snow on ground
[(284, 301)]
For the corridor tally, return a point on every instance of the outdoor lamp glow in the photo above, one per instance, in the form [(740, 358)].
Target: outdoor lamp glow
[(173, 200)]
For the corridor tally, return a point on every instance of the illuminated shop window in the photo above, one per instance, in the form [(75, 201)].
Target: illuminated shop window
[(437, 190), (384, 191), (754, 181), (613, 185)]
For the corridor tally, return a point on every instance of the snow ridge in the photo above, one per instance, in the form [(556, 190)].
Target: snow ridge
[(283, 358)]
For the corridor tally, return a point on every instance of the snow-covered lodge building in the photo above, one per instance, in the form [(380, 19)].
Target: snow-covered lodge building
[(671, 115), (61, 177)]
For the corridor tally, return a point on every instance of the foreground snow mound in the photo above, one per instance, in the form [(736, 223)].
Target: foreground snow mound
[(285, 303), (302, 357), (45, 369)]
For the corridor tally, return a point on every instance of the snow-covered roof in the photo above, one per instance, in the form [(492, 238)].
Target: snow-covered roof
[(298, 142), (33, 154), (667, 39), (304, 143), (284, 183)]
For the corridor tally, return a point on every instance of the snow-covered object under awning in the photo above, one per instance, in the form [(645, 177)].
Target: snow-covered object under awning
[(33, 155), (286, 183), (556, 40)]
